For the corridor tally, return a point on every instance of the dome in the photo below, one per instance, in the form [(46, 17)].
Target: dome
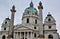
[(31, 9)]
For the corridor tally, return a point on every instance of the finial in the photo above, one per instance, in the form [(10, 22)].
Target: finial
[(40, 5), (8, 16), (31, 0), (49, 14), (13, 9), (31, 4)]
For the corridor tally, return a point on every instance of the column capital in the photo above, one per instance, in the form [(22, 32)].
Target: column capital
[(40, 5), (13, 9)]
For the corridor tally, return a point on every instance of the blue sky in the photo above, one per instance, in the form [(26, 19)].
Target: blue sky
[(52, 6)]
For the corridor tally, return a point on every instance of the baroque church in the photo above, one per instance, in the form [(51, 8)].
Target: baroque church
[(32, 26)]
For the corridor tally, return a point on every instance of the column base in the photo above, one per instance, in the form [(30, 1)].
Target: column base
[(41, 36)]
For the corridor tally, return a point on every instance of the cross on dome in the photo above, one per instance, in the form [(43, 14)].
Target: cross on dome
[(31, 4)]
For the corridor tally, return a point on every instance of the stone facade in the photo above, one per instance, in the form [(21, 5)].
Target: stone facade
[(32, 25)]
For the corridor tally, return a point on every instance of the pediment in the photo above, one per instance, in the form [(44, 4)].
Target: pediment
[(23, 28)]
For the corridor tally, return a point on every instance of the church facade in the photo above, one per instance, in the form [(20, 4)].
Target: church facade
[(32, 26)]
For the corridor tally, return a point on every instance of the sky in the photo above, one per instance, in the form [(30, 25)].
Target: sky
[(52, 6)]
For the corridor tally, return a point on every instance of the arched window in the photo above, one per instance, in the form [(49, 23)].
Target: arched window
[(3, 37), (35, 35), (50, 37), (5, 28), (27, 20), (35, 21)]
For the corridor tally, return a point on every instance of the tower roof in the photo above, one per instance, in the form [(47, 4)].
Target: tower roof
[(50, 18)]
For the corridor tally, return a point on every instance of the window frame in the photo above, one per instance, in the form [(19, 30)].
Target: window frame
[(35, 35), (35, 27), (50, 36), (5, 28), (50, 27), (49, 19), (35, 21), (27, 20)]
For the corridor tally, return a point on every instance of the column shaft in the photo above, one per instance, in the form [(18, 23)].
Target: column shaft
[(14, 35), (17, 35), (20, 35), (27, 35), (31, 35), (24, 35)]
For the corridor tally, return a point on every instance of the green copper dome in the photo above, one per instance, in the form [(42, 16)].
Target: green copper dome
[(31, 9)]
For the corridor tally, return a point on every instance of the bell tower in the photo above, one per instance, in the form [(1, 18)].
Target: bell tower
[(50, 30), (5, 24)]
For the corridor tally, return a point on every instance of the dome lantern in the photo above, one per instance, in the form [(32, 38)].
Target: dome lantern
[(31, 4)]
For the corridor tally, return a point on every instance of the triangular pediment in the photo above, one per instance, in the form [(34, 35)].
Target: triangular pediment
[(23, 28)]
